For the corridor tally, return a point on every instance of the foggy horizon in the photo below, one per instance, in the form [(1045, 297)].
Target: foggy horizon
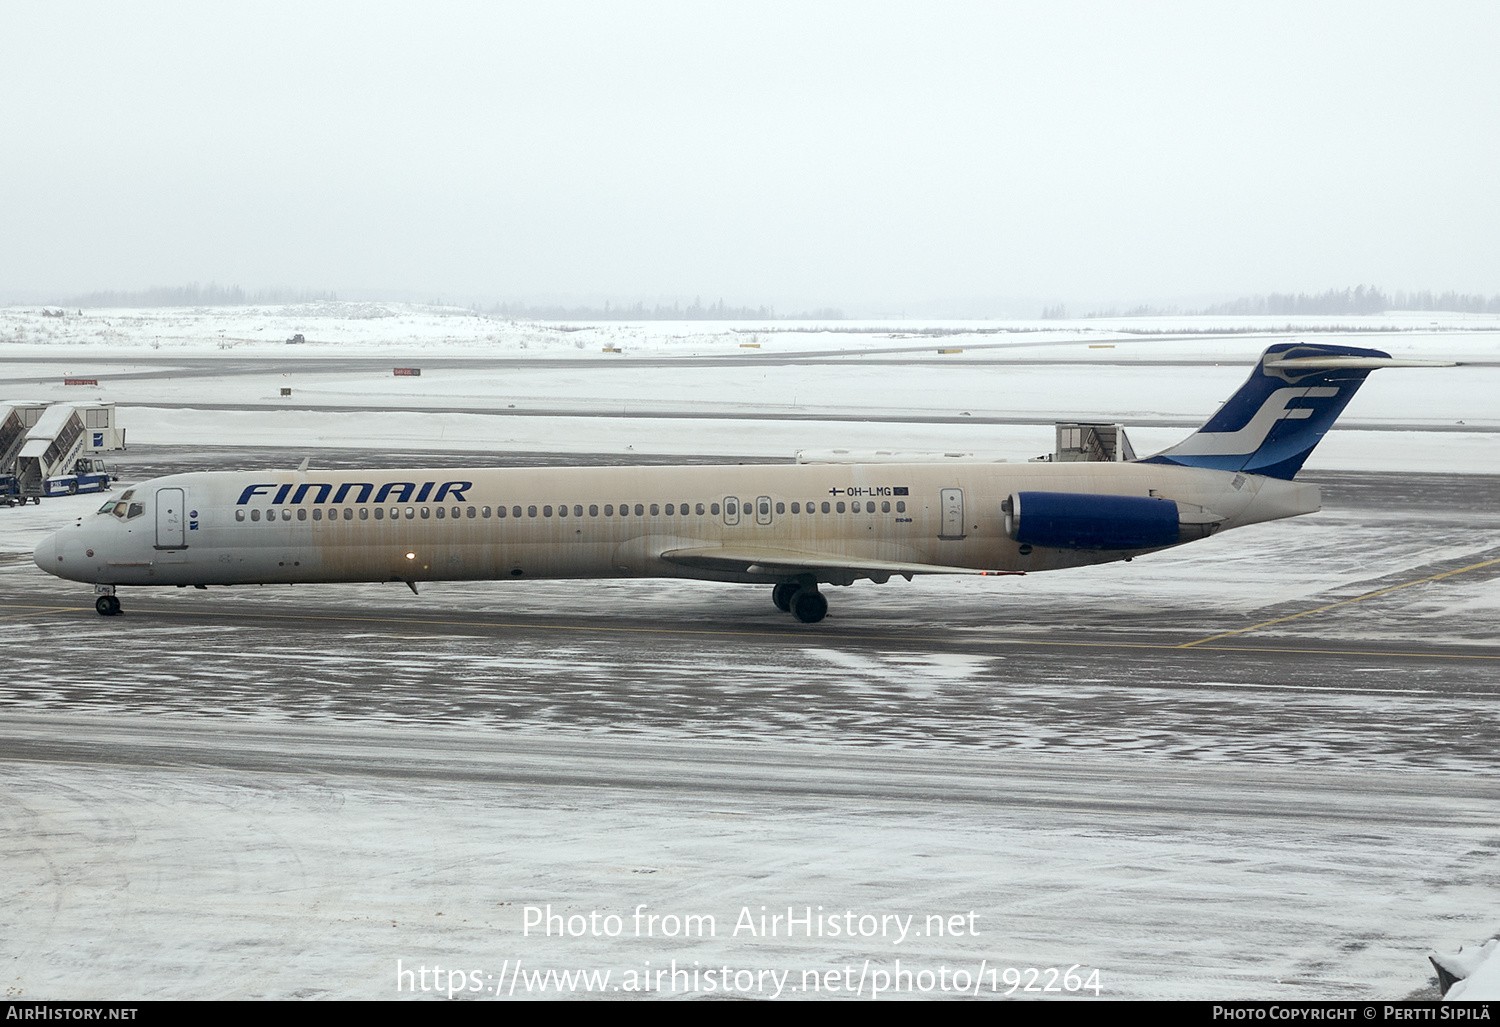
[(961, 160), (1349, 300)]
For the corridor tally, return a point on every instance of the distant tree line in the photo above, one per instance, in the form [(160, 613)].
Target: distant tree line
[(1060, 313), (215, 295), (1361, 299), (694, 311), (194, 295)]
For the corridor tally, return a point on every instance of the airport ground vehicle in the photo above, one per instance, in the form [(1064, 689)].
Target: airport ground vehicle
[(89, 474)]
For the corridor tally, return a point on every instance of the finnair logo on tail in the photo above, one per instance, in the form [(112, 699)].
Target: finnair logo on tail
[(1249, 438)]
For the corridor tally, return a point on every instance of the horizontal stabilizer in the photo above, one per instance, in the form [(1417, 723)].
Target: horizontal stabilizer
[(1328, 363)]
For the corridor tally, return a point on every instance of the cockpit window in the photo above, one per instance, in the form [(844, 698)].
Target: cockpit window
[(122, 509)]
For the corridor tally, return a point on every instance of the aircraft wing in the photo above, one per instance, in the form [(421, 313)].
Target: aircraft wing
[(761, 560)]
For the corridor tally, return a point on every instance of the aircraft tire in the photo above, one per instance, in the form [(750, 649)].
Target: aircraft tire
[(809, 606), (108, 606), (782, 595)]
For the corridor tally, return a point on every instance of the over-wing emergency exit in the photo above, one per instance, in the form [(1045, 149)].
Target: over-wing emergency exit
[(794, 527)]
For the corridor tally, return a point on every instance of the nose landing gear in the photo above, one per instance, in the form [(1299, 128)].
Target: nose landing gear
[(108, 606), (804, 602)]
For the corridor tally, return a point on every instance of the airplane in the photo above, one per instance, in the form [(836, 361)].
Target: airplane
[(794, 527)]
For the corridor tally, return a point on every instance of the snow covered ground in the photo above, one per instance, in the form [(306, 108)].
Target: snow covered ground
[(1031, 373), (281, 792), (393, 328)]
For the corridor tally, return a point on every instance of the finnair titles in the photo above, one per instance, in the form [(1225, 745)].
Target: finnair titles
[(792, 527)]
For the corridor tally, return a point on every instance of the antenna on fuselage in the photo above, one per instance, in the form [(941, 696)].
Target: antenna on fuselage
[(302, 467)]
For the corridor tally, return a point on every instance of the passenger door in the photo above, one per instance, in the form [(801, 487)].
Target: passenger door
[(953, 514), (170, 522)]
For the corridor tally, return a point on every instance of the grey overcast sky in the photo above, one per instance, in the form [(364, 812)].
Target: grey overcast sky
[(862, 154)]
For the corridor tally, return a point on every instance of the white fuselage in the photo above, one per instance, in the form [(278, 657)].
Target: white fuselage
[(223, 528)]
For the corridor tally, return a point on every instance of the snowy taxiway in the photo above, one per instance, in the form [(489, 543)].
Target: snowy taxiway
[(1260, 766)]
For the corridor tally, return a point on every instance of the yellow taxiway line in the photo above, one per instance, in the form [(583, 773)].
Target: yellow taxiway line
[(1343, 602), (37, 611)]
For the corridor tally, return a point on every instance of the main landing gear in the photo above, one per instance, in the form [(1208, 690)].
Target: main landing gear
[(804, 602), (108, 606)]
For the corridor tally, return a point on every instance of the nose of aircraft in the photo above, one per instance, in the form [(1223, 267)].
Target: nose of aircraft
[(45, 556)]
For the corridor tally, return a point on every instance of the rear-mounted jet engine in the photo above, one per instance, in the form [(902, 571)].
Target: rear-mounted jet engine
[(1082, 520)]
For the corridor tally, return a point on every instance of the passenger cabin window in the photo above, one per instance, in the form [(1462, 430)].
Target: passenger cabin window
[(239, 515), (827, 508)]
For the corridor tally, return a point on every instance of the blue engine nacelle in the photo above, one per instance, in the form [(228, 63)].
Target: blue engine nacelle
[(1082, 520)]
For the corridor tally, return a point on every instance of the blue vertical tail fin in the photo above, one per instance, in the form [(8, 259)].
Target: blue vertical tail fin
[(1291, 399)]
